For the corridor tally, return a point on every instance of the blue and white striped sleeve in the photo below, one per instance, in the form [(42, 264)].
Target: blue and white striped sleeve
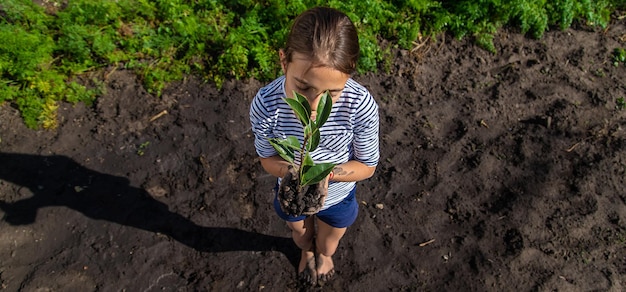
[(262, 124), (366, 131)]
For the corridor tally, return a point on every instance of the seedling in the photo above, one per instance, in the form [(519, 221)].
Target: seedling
[(142, 148), (307, 172)]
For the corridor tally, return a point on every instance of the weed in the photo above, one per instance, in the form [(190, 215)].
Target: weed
[(585, 257), (141, 150), (620, 103)]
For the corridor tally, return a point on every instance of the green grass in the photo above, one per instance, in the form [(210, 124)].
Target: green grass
[(42, 53)]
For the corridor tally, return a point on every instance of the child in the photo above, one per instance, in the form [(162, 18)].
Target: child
[(321, 53)]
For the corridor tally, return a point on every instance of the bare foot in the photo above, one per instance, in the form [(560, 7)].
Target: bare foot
[(307, 273), (325, 269)]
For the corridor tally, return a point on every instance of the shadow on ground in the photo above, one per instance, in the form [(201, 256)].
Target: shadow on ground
[(60, 181)]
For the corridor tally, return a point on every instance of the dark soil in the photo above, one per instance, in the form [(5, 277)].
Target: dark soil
[(499, 172)]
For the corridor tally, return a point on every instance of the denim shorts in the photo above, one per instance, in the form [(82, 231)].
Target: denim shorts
[(340, 215)]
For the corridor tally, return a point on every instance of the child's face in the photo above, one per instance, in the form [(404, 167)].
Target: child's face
[(311, 81)]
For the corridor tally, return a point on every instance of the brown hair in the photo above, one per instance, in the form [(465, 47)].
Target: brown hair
[(327, 37)]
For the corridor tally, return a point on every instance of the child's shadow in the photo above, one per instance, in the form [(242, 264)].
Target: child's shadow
[(60, 181)]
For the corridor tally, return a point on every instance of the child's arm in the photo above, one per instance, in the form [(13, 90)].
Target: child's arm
[(352, 171), (275, 165)]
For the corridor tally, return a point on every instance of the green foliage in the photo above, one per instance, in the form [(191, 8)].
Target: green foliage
[(28, 75), (309, 172), (162, 40)]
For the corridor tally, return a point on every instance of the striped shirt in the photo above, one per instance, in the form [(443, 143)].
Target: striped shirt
[(351, 132)]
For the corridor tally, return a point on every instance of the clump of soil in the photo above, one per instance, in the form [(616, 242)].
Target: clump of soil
[(296, 200)]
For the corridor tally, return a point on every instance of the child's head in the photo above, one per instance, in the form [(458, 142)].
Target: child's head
[(327, 37)]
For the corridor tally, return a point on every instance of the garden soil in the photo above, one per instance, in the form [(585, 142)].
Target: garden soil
[(498, 172)]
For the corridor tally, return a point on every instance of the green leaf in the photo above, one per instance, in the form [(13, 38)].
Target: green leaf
[(304, 103), (316, 173), (292, 142), (324, 107), (299, 110), (283, 148), (308, 161)]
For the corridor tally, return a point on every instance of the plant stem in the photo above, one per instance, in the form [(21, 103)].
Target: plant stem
[(300, 169)]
